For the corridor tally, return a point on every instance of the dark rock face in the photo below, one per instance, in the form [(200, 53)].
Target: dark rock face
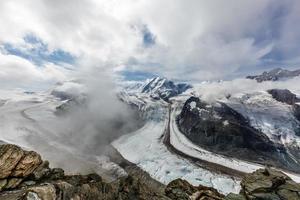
[(161, 88), (297, 112), (284, 96), (62, 95), (182, 190), (71, 104), (269, 184), (274, 75), (221, 129)]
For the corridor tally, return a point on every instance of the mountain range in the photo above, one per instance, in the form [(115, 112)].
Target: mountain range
[(178, 132), (275, 75)]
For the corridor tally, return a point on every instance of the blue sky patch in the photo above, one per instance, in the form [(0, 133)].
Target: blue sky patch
[(137, 75), (148, 37), (39, 52)]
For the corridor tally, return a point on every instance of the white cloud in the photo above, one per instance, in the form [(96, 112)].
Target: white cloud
[(198, 39), (19, 72), (212, 91)]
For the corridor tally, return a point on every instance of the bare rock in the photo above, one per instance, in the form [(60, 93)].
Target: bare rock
[(269, 184), (41, 171), (56, 173), (130, 188), (42, 192), (10, 155), (16, 165), (3, 183), (13, 183), (180, 190), (29, 162), (232, 196), (284, 96)]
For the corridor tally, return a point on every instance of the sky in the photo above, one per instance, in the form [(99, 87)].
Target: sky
[(43, 42)]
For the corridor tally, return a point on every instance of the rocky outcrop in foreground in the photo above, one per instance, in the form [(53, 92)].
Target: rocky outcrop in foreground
[(24, 175), (267, 184)]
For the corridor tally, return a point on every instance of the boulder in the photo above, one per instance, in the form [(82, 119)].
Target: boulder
[(269, 184), (41, 171), (43, 192), (16, 165), (134, 189), (10, 155), (29, 162), (182, 190)]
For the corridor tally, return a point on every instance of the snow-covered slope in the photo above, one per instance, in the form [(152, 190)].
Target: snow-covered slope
[(257, 111), (273, 118), (183, 144), (145, 148), (159, 88), (28, 119)]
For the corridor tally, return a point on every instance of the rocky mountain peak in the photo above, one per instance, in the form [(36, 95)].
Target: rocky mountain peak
[(275, 75), (162, 88), (284, 96)]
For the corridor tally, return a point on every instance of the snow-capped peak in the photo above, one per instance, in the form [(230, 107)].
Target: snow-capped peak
[(163, 88), (275, 74)]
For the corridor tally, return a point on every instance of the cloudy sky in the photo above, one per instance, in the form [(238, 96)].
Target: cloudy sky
[(44, 41)]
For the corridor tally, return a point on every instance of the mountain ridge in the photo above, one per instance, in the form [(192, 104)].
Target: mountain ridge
[(275, 75)]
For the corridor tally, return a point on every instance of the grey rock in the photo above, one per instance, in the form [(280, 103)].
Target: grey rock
[(204, 124), (162, 88), (41, 171), (232, 196), (275, 75), (284, 96)]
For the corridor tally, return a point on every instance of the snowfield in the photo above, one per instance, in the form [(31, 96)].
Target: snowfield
[(273, 118), (145, 148), (28, 120)]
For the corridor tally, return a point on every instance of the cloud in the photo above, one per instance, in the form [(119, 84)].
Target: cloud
[(18, 72), (198, 39), (212, 91), (213, 39)]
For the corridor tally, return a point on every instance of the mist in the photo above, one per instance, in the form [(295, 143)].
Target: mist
[(77, 139), (89, 128), (213, 91), (102, 117)]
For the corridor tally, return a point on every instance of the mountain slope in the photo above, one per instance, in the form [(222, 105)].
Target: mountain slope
[(275, 75), (162, 88), (253, 127)]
